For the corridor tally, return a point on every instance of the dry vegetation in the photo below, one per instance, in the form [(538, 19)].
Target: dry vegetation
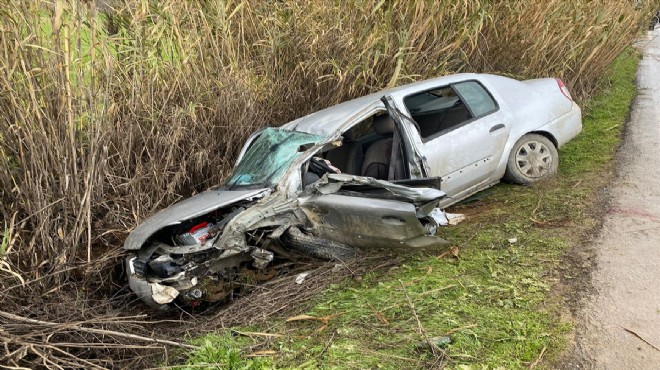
[(106, 118)]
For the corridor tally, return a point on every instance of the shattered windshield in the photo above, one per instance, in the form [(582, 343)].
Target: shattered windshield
[(269, 156)]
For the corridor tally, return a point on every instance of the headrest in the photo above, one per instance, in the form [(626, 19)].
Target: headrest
[(383, 125), (350, 134)]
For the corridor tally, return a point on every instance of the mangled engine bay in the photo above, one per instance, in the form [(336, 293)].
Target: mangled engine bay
[(211, 246)]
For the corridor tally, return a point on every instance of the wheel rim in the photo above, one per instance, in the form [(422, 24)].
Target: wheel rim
[(534, 159)]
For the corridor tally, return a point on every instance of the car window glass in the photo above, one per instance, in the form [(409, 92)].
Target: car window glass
[(269, 157), (436, 111), (476, 97)]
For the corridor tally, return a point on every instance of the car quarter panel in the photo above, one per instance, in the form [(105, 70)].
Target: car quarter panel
[(566, 127), (536, 106), (532, 104)]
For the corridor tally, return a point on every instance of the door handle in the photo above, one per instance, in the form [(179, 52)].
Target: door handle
[(499, 126)]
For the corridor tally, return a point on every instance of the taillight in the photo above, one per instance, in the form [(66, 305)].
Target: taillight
[(564, 89)]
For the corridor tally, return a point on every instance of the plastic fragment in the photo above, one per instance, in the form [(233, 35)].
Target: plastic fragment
[(300, 278), (163, 294)]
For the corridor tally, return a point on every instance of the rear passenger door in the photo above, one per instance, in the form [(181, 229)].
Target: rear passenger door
[(462, 134)]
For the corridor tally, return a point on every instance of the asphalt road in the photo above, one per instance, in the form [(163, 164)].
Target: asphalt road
[(620, 326)]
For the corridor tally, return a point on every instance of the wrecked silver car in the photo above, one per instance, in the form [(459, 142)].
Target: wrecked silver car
[(371, 172)]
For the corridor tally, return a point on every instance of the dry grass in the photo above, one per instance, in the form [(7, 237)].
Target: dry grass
[(105, 119)]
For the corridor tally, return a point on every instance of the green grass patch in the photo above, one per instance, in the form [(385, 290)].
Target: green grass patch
[(224, 352), (494, 301)]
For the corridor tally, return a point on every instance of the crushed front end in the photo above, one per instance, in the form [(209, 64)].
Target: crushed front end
[(186, 256)]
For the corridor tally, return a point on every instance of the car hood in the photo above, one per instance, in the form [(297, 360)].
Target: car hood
[(192, 207)]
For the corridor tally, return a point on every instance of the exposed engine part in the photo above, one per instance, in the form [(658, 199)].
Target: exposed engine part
[(205, 230), (198, 234), (261, 257), (172, 264), (194, 294), (164, 266)]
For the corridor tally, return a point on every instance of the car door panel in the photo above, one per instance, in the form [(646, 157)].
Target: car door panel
[(464, 154), (363, 221), (365, 212)]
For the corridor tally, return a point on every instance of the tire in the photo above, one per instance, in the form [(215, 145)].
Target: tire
[(532, 159), (315, 247)]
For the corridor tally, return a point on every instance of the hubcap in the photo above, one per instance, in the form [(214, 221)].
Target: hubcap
[(534, 159)]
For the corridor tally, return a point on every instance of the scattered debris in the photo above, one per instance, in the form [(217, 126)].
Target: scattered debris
[(455, 218), (437, 342), (443, 218), (442, 341), (324, 319), (300, 278), (538, 359), (163, 294), (452, 251), (256, 334), (513, 240)]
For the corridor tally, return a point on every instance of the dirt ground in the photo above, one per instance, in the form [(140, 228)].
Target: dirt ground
[(619, 320)]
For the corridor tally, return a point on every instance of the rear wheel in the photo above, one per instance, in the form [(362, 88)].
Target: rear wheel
[(532, 159), (315, 247)]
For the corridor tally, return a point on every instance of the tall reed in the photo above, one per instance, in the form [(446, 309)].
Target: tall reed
[(107, 117)]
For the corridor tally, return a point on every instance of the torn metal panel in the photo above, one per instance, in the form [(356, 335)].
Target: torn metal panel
[(376, 213), (156, 269), (416, 161), (331, 183), (274, 210)]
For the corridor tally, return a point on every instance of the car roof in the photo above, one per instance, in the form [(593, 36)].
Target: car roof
[(325, 122)]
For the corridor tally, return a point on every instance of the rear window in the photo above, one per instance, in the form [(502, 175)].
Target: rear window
[(476, 97), (446, 108), (437, 111)]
